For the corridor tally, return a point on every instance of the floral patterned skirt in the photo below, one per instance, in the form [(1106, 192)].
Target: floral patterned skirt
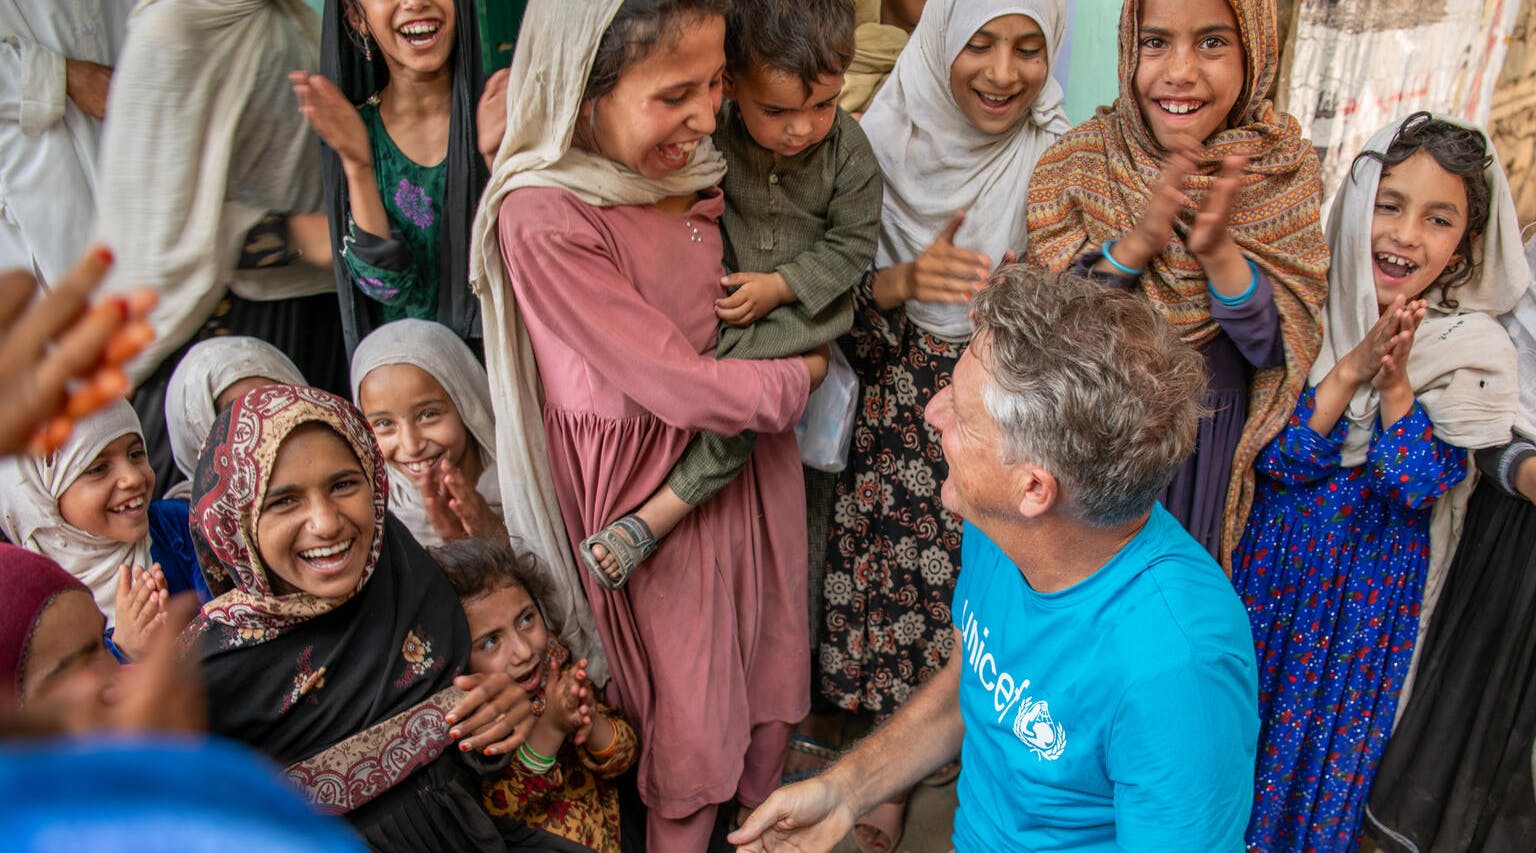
[(893, 551)]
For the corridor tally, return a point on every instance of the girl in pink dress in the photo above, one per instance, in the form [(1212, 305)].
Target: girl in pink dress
[(597, 257)]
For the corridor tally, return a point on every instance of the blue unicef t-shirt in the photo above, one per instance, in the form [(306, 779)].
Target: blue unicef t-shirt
[(1118, 714)]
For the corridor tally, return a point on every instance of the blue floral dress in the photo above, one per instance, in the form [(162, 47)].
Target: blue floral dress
[(1331, 569)]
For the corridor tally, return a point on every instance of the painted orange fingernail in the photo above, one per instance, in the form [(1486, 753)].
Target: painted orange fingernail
[(103, 254)]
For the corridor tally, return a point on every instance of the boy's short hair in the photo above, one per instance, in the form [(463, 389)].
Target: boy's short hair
[(808, 39), (478, 566)]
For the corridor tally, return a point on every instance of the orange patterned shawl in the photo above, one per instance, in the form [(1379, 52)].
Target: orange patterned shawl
[(1093, 183)]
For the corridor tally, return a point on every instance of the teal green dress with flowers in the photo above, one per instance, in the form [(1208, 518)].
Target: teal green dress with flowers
[(400, 273)]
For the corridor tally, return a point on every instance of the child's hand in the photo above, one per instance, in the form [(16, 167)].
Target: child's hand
[(1361, 364), (435, 501), (1155, 227), (491, 116), (755, 295), (1392, 375), (945, 272), (566, 701), (333, 117), (1210, 238), (140, 607), (473, 515)]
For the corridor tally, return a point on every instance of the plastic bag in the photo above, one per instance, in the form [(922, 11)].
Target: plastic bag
[(826, 428)]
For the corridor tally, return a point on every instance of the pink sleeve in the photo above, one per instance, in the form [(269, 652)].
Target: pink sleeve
[(567, 281)]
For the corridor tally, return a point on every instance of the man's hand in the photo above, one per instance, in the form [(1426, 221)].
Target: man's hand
[(806, 817), (86, 84)]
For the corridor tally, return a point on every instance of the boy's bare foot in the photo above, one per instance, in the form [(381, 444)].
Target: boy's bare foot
[(612, 553)]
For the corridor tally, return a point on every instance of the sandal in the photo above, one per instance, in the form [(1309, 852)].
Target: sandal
[(629, 542), (879, 831), (807, 745)]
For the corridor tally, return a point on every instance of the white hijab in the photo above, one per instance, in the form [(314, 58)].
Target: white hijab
[(936, 162), (434, 348), (206, 371), (1462, 364), (30, 487), (1521, 325)]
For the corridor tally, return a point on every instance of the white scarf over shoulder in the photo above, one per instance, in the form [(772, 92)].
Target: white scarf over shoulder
[(936, 162), (202, 139), (445, 357), (555, 50), (207, 370), (30, 487)]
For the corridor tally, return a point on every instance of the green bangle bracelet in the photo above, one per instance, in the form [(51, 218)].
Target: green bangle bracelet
[(535, 753)]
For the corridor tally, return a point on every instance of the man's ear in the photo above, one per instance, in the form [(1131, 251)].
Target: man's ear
[(1039, 490)]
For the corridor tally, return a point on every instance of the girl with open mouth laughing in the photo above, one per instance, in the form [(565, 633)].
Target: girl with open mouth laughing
[(1194, 191), (1356, 513), (398, 106), (88, 506), (598, 259)]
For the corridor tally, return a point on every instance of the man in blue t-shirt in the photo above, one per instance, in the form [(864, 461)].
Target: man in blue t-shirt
[(1103, 691)]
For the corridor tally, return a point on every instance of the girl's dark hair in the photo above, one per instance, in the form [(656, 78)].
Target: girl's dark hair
[(1464, 153), (480, 566), (638, 28)]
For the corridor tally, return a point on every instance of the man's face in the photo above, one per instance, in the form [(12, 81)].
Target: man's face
[(979, 486)]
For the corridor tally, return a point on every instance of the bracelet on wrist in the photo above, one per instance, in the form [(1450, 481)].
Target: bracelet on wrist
[(607, 751), (1110, 259), (533, 761), (1234, 301)]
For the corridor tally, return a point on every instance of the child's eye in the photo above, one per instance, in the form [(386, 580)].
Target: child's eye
[(675, 100), (1386, 207), (346, 485), (280, 503), (489, 642), (1213, 42), (772, 113), (1153, 43), (1440, 221), (974, 47), (137, 454), (826, 105), (382, 424), (1029, 52), (98, 469)]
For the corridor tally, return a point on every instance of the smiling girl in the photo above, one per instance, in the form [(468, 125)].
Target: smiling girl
[(397, 108), (336, 646), (1194, 191), (1352, 498), (429, 405), (88, 506), (598, 259), (561, 783)]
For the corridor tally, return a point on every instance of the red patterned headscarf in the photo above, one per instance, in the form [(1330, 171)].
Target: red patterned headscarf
[(230, 487), (1091, 186), (29, 582)]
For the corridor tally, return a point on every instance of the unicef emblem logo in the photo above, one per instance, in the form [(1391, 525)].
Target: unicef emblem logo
[(1043, 735)]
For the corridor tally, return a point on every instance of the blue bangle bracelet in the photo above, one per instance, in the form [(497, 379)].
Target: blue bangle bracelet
[(1110, 259), (1234, 301)]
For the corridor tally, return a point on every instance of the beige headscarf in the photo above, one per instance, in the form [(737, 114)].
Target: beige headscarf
[(30, 487), (1462, 363), (445, 357), (555, 51), (202, 139), (206, 371)]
